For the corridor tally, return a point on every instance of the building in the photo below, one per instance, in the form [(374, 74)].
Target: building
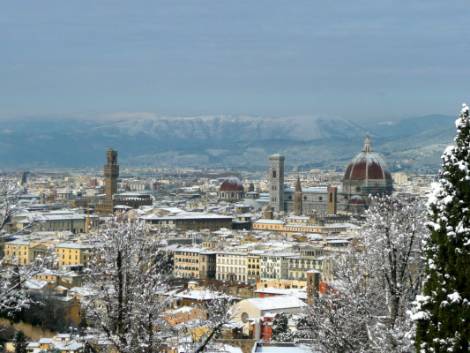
[(132, 199), (256, 308), (232, 266), (295, 225), (25, 251), (297, 266), (274, 266), (73, 254), (17, 251), (175, 218), (365, 175), (194, 263), (231, 190), (54, 221), (253, 268), (276, 182), (62, 343), (111, 174)]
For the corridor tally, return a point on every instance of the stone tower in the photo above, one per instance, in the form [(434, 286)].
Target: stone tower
[(276, 182), (111, 174), (298, 198), (332, 199)]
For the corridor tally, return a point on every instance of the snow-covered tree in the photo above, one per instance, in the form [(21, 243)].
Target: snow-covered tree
[(443, 310), (127, 276), (13, 296), (375, 283), (8, 194), (281, 331), (219, 313)]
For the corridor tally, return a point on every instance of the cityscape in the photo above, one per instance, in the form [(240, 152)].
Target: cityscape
[(142, 223)]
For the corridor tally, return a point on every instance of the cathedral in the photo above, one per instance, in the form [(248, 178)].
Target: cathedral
[(365, 175)]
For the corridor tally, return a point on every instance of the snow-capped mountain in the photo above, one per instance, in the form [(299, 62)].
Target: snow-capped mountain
[(228, 141)]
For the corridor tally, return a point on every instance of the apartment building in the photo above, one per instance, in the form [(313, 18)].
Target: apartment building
[(194, 263), (232, 266), (72, 254)]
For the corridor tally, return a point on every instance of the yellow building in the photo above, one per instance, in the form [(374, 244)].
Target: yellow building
[(253, 268), (72, 254), (17, 251), (287, 228), (24, 252)]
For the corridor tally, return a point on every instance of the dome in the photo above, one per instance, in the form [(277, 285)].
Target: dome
[(367, 174), (231, 184), (367, 165)]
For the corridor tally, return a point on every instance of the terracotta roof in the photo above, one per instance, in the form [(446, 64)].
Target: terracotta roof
[(231, 184)]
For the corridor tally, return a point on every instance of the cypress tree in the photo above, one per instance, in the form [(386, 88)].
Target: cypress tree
[(443, 311)]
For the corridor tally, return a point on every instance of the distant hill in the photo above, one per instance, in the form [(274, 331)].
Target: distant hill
[(221, 141)]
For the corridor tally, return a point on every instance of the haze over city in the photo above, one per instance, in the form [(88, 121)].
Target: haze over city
[(355, 60)]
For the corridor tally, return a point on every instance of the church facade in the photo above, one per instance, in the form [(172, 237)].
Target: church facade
[(365, 175)]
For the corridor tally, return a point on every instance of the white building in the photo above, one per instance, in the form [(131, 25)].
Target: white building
[(232, 266)]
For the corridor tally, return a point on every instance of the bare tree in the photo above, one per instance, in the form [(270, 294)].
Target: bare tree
[(219, 312), (13, 296), (376, 283), (9, 192), (127, 273)]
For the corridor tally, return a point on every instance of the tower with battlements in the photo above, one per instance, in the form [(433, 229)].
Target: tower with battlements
[(111, 174)]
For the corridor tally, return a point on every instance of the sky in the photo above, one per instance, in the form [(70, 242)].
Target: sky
[(363, 59)]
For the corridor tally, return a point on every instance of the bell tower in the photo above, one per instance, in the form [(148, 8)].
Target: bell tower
[(276, 182)]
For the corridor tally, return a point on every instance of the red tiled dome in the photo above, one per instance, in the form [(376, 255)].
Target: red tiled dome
[(231, 184), (367, 165)]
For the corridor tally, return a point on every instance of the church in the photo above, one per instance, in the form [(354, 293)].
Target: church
[(365, 175)]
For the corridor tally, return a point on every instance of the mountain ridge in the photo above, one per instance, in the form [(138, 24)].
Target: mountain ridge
[(221, 141)]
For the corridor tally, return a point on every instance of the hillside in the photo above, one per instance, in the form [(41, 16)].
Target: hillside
[(220, 141)]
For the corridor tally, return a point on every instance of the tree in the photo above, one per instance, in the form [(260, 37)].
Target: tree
[(20, 342), (13, 297), (219, 313), (8, 193), (281, 332), (443, 310), (127, 275), (375, 283)]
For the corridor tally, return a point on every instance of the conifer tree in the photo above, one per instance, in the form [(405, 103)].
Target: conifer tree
[(443, 311)]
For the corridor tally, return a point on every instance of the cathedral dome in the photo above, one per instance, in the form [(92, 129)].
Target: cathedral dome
[(367, 165), (231, 184), (367, 173)]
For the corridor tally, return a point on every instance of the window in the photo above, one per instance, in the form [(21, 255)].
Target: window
[(274, 174)]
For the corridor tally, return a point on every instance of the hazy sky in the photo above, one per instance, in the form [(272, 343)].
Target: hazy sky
[(354, 59)]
